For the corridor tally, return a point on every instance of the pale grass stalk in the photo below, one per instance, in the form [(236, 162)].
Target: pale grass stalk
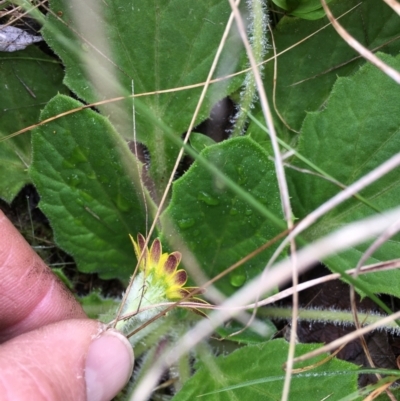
[(153, 93), (347, 193), (290, 47), (349, 337), (101, 77), (91, 32), (285, 198), (135, 142), (88, 42), (142, 188), (275, 82), (15, 9), (348, 236), (384, 387), (192, 122), (213, 294), (267, 115), (28, 10), (363, 51), (394, 5), (383, 238), (159, 92), (377, 267), (179, 157), (342, 196), (374, 50), (282, 184)]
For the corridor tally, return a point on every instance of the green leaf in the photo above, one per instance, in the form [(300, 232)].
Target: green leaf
[(307, 9), (139, 49), (384, 397), (98, 307), (255, 373), (59, 272), (200, 141), (319, 60), (219, 226), (87, 179), (245, 334), (29, 79), (5, 5), (358, 130)]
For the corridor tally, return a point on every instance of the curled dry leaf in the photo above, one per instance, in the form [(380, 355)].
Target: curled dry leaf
[(13, 39)]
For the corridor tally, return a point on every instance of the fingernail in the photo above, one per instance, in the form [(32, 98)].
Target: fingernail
[(109, 365)]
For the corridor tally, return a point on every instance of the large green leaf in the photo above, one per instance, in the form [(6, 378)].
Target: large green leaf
[(219, 226), (358, 130), (318, 60), (87, 179), (307, 9), (28, 79), (137, 48), (255, 373)]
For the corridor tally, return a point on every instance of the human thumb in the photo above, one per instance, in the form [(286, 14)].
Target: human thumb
[(71, 360)]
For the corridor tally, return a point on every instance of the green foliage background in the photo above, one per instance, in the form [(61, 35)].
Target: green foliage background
[(339, 114)]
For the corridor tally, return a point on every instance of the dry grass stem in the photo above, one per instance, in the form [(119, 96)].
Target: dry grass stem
[(363, 51), (346, 237), (394, 5)]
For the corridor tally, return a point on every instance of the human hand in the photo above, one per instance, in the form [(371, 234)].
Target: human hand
[(49, 349)]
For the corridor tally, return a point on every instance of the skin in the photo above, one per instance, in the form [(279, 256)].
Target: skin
[(46, 341)]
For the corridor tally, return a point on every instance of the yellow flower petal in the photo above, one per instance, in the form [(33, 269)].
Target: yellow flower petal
[(161, 270)]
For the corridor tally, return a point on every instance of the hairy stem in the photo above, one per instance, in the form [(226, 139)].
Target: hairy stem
[(337, 317), (258, 27)]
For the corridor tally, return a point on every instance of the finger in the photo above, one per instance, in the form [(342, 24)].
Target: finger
[(30, 294), (71, 360)]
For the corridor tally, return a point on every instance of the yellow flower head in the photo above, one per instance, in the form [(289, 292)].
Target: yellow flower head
[(161, 270), (158, 280)]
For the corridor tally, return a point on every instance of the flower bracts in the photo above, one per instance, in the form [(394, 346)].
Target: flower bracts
[(158, 280)]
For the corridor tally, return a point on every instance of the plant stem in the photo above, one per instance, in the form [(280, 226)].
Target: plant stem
[(337, 317), (258, 41)]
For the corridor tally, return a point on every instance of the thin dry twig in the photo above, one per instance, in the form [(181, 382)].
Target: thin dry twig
[(180, 155), (350, 191), (348, 337), (159, 92), (19, 14), (380, 390), (377, 267), (384, 237), (350, 235), (394, 5), (275, 84), (375, 49), (383, 266), (282, 184), (363, 51)]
